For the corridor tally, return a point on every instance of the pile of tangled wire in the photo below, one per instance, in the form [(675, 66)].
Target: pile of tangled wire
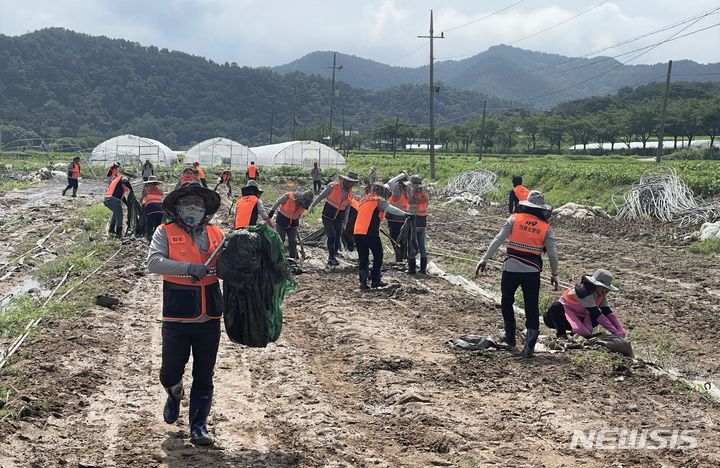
[(477, 182), (666, 197)]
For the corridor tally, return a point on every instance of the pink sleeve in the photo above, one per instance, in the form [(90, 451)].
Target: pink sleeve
[(578, 326), (610, 325), (618, 326)]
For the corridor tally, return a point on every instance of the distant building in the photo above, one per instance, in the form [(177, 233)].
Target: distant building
[(421, 146)]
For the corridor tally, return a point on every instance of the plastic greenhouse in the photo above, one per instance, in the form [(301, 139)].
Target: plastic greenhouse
[(298, 153), (132, 149), (220, 151)]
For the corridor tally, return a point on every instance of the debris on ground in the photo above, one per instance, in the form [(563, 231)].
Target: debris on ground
[(573, 210), (472, 342), (708, 231), (105, 300), (471, 184)]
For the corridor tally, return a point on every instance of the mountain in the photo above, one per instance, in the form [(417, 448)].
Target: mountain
[(534, 78), (56, 83)]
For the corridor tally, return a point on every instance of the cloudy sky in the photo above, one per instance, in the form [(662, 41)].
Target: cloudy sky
[(273, 32)]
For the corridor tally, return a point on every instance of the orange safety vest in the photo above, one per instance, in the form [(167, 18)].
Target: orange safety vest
[(193, 300), (355, 204), (185, 178), (401, 202), (336, 201), (291, 209), (113, 186), (421, 204), (252, 171), (366, 220), (200, 172), (246, 211), (527, 239), (75, 171), (521, 192), (571, 298), (152, 197)]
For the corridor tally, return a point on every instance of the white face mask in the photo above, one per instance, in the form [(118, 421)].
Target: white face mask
[(191, 215)]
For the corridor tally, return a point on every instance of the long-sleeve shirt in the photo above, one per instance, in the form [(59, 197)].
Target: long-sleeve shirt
[(385, 206), (393, 184), (158, 261), (514, 265)]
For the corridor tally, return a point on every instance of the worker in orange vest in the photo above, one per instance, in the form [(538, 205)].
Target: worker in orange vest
[(418, 200), (400, 188), (249, 207), (116, 194), (339, 196), (73, 172), (225, 178), (189, 174), (252, 172), (371, 212), (181, 252), (528, 233), (151, 202), (113, 172), (289, 208), (518, 193), (201, 173)]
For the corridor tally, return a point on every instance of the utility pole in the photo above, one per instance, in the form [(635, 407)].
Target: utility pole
[(294, 112), (397, 122), (658, 157), (343, 126), (351, 134), (272, 122), (432, 95), (482, 132), (332, 95)]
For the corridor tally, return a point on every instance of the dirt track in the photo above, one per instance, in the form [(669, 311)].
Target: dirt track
[(365, 378)]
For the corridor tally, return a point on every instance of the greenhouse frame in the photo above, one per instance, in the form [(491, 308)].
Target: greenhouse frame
[(298, 153), (220, 152), (128, 149)]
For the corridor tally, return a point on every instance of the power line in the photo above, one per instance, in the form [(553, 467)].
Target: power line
[(484, 17)]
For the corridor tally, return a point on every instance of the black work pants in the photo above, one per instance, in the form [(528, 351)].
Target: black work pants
[(366, 244), (555, 318), (530, 284), (291, 234), (395, 229), (317, 185), (153, 218), (178, 340), (72, 184), (333, 231)]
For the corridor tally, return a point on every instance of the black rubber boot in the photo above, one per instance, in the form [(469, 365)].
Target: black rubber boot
[(377, 281), (363, 279), (172, 404), (423, 265), (412, 265), (200, 403), (74, 192), (508, 337), (64, 191), (530, 340)]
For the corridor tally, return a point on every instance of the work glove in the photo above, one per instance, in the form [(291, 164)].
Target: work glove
[(480, 267), (271, 213), (198, 271)]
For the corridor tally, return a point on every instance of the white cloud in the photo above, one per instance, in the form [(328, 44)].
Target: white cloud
[(271, 32)]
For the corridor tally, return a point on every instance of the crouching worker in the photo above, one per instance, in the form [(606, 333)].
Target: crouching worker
[(192, 301), (289, 209), (528, 233), (582, 308), (371, 212)]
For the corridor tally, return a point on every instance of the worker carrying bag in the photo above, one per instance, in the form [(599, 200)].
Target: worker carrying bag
[(256, 279)]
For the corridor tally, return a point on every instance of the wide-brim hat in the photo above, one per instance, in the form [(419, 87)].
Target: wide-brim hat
[(415, 179), (535, 199), (152, 180), (251, 188), (602, 278), (211, 198), (351, 177)]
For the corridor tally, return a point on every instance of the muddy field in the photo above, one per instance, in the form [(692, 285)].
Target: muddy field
[(367, 378)]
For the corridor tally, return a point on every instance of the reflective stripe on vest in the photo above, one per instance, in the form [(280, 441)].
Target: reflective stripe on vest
[(528, 234), (185, 178), (113, 186), (244, 210), (369, 205), (521, 192), (252, 171), (152, 198), (75, 171), (421, 203), (182, 248), (291, 209)]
